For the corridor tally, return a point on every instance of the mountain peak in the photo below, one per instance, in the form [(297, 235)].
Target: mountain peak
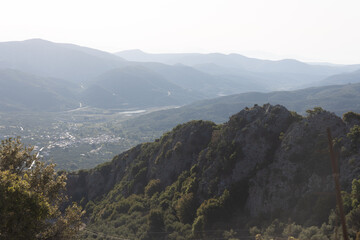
[(132, 51), (36, 40)]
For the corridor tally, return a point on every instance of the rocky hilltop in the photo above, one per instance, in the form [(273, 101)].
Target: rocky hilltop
[(264, 163)]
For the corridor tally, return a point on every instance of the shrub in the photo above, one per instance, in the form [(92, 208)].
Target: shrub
[(351, 116), (198, 227), (354, 136), (275, 229), (315, 111), (152, 187), (123, 206), (155, 221), (136, 207), (186, 207)]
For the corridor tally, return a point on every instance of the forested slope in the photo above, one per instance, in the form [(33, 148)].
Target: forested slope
[(201, 179)]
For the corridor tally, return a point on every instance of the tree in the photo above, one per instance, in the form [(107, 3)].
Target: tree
[(155, 221), (354, 136), (31, 194), (186, 208), (315, 111)]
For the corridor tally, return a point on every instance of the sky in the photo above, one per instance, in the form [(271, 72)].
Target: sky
[(308, 30)]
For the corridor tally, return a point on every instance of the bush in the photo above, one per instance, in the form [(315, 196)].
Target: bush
[(354, 136), (198, 227), (186, 208), (315, 111), (155, 221), (123, 206), (152, 187), (275, 229), (312, 233), (230, 235), (136, 207), (351, 116), (292, 230)]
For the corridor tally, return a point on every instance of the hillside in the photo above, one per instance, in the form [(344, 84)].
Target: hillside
[(26, 92), (345, 78), (286, 74), (135, 86), (64, 61), (237, 61), (84, 137), (207, 84), (171, 79), (201, 179)]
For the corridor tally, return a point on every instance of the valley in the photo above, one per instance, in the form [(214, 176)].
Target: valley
[(77, 139), (84, 137)]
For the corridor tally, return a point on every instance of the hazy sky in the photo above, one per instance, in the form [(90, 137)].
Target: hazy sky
[(311, 30)]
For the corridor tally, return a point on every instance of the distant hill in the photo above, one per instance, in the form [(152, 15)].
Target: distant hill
[(338, 99), (264, 81), (84, 65), (345, 78), (25, 92), (207, 84), (65, 61), (135, 86), (237, 61), (287, 74), (109, 81)]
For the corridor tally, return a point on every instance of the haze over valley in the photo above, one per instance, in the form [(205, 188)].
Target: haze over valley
[(81, 106)]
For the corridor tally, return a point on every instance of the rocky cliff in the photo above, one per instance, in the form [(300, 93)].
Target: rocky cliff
[(264, 163)]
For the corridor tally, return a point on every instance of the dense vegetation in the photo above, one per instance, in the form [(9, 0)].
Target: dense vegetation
[(331, 229), (31, 194)]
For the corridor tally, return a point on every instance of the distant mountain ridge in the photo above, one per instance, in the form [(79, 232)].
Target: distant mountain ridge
[(345, 78), (86, 69), (237, 61), (286, 74), (95, 75), (25, 92), (65, 61), (337, 98), (135, 86)]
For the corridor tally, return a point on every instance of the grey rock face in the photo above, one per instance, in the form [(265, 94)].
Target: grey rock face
[(301, 168), (164, 159), (276, 161)]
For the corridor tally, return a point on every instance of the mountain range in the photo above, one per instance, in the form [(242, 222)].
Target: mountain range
[(134, 86), (63, 61), (104, 80), (274, 75), (237, 61), (345, 78)]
